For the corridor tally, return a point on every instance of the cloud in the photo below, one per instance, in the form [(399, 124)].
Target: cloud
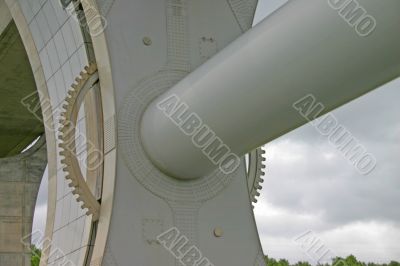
[(310, 185)]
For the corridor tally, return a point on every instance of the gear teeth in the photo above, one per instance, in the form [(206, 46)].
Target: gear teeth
[(255, 173), (73, 89), (91, 68), (77, 183), (72, 185)]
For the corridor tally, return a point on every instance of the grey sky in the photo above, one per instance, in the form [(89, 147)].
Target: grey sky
[(309, 185)]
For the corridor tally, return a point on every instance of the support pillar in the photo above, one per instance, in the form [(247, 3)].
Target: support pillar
[(20, 178)]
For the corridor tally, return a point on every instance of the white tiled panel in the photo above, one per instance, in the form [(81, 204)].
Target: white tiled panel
[(62, 52)]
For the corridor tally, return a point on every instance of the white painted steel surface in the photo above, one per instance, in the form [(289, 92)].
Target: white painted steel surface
[(245, 93)]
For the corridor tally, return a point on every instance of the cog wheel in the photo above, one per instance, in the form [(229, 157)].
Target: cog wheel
[(69, 117), (256, 165)]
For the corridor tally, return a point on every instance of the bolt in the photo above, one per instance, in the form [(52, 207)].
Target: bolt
[(218, 232), (147, 41)]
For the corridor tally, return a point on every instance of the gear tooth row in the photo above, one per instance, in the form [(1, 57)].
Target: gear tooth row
[(70, 102), (91, 68), (73, 183), (73, 89), (84, 75), (67, 133), (77, 183), (75, 190), (61, 146), (260, 172)]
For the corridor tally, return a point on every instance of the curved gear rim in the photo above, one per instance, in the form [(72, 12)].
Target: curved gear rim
[(69, 117), (255, 173)]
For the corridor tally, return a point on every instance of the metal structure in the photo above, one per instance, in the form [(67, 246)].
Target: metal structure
[(175, 96), (69, 119)]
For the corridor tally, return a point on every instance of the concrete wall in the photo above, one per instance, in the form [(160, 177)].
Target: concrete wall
[(20, 178)]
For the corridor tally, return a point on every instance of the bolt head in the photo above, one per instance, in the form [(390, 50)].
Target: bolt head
[(218, 232), (147, 41)]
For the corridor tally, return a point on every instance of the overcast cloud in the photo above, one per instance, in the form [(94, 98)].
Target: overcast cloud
[(309, 184)]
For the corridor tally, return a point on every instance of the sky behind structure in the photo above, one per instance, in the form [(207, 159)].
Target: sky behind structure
[(311, 187)]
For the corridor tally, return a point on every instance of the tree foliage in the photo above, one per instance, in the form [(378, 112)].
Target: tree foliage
[(36, 253), (350, 260)]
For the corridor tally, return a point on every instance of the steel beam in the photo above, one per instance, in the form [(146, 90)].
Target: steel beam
[(335, 50)]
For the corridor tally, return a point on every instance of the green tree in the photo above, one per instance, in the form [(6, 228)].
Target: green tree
[(350, 260), (271, 261), (283, 262), (394, 263), (302, 263), (36, 253)]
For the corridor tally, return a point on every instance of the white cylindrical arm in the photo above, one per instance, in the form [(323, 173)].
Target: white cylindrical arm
[(245, 94)]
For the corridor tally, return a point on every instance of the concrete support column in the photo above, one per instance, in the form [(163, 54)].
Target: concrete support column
[(20, 178)]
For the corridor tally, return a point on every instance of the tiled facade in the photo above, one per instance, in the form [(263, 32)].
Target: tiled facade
[(63, 54)]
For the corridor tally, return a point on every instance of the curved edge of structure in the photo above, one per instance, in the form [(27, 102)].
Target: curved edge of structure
[(41, 140), (109, 126), (45, 103)]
